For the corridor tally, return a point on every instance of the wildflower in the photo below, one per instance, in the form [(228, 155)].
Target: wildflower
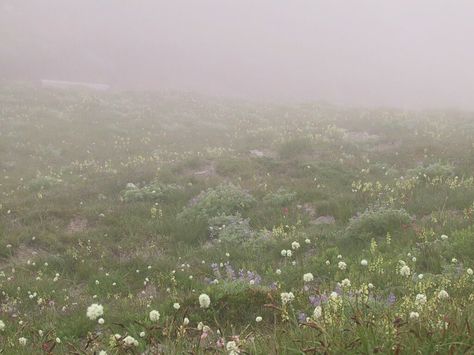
[(334, 295), (142, 334), (200, 325), (370, 285), (258, 319), (295, 245), (283, 252), (444, 237), (318, 312), (454, 260), (58, 341), (185, 321), (414, 315), (2, 326), (154, 316), (130, 341), (204, 300), (405, 271), (287, 297), (278, 271), (102, 352), (22, 341), (420, 299), (94, 311), (289, 253), (420, 276), (232, 347), (307, 241), (469, 271), (328, 262), (443, 295), (101, 321), (364, 262), (176, 306), (308, 277), (341, 265), (339, 256), (346, 283)]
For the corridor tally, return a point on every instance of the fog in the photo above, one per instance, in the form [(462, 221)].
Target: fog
[(413, 54)]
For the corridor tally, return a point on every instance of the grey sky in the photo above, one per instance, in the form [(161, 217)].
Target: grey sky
[(417, 53)]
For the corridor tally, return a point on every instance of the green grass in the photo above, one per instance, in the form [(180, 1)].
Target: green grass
[(394, 182)]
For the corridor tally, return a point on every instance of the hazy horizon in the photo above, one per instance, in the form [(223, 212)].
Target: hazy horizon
[(416, 54)]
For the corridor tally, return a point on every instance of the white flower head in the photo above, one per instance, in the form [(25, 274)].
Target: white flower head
[(364, 262), (154, 316), (287, 297), (405, 271), (318, 312), (204, 300), (341, 265), (420, 299), (346, 283), (130, 341), (94, 311), (258, 319), (295, 245), (2, 326), (308, 277), (414, 315), (176, 306), (443, 295)]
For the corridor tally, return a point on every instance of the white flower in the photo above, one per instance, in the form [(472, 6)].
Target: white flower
[(318, 312), (283, 252), (414, 315), (342, 265), (405, 271), (94, 311), (420, 276), (232, 348), (307, 241), (142, 334), (22, 341), (444, 237), (334, 295), (454, 260), (443, 295), (295, 245), (58, 341), (328, 262), (308, 277), (346, 283), (413, 259), (2, 326), (469, 271), (370, 285), (101, 321), (420, 299), (185, 321), (339, 256), (154, 316), (364, 262), (200, 325), (278, 271), (102, 352), (130, 341), (176, 306), (206, 329), (287, 297), (258, 319), (289, 253), (204, 300)]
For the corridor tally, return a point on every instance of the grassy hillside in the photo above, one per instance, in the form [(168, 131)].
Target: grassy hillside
[(311, 228)]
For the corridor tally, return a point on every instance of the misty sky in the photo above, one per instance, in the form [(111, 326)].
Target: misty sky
[(417, 53)]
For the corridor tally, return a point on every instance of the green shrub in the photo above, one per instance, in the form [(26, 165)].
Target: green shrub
[(222, 200), (280, 198), (43, 183), (153, 192), (230, 228), (376, 222)]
